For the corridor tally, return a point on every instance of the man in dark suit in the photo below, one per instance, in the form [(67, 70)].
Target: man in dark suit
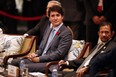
[(94, 16), (39, 29), (104, 56), (53, 50)]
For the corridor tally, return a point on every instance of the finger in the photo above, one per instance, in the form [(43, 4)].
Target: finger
[(30, 59), (81, 74), (78, 74)]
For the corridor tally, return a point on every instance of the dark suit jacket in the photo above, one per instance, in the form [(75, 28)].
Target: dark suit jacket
[(39, 29), (58, 47), (101, 60)]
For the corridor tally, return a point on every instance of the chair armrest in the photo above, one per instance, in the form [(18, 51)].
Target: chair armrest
[(12, 56), (48, 66), (24, 53)]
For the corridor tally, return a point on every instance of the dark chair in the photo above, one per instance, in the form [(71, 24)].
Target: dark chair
[(84, 53)]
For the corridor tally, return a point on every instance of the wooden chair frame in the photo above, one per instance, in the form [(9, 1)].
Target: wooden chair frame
[(84, 53), (31, 48)]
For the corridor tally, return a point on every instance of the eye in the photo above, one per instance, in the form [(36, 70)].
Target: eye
[(106, 32), (58, 15), (52, 15)]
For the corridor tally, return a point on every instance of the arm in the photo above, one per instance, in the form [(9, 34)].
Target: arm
[(37, 28), (71, 64)]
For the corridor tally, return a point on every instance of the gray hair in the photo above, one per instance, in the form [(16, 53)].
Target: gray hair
[(56, 2)]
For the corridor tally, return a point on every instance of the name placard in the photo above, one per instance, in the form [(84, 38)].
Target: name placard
[(13, 71)]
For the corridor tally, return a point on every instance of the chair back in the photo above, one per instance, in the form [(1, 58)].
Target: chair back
[(28, 46), (71, 31), (75, 49), (85, 51)]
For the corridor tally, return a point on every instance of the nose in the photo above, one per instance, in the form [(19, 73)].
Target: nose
[(55, 17), (104, 34)]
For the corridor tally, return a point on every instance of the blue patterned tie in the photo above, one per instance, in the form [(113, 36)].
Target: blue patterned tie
[(49, 40)]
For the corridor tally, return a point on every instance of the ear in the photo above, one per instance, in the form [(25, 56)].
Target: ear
[(113, 33), (62, 16), (98, 33)]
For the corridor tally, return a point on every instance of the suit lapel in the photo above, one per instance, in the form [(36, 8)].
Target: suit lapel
[(105, 48), (46, 36), (55, 37)]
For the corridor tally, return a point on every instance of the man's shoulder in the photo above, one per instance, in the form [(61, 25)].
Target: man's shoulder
[(65, 29), (112, 44), (44, 17)]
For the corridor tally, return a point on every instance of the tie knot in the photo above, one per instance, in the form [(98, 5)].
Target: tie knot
[(53, 30), (100, 45)]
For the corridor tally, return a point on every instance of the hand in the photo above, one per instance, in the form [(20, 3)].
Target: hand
[(35, 59), (96, 20), (26, 35), (102, 18), (32, 55), (1, 31), (62, 62), (81, 72)]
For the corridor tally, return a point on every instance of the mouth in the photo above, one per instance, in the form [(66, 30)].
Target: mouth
[(55, 21)]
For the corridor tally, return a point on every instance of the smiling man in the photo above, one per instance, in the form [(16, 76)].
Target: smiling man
[(54, 45)]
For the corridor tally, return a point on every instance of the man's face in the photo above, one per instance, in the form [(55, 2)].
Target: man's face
[(105, 33), (55, 18), (48, 6)]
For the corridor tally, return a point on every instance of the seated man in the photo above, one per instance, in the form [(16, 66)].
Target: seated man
[(99, 58), (39, 29), (54, 45)]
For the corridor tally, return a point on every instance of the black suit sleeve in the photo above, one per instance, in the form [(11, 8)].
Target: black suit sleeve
[(75, 63), (39, 26)]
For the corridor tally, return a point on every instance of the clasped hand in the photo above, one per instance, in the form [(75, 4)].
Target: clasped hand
[(62, 63), (33, 57)]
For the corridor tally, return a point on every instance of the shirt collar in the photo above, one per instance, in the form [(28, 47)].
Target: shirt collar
[(56, 28)]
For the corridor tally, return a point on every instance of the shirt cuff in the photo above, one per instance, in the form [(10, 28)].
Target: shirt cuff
[(67, 63), (26, 34)]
